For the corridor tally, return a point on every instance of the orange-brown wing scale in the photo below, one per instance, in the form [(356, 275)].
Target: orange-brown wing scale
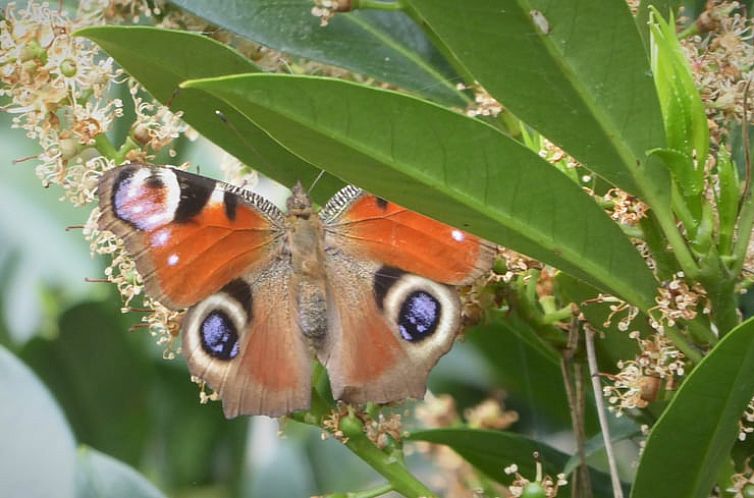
[(383, 231), (188, 234), (372, 353), (389, 319), (245, 342)]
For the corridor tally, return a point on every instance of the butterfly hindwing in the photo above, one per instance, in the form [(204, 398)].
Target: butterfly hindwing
[(244, 341), (387, 329), (189, 235), (392, 314)]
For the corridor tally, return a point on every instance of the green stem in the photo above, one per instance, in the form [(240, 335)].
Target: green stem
[(558, 316), (635, 232), (683, 345), (105, 147), (372, 493), (690, 30), (390, 467), (676, 241), (701, 332), (127, 147), (376, 5), (745, 224)]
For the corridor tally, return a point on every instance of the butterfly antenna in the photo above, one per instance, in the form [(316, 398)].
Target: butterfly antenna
[(240, 136), (316, 180), (169, 103)]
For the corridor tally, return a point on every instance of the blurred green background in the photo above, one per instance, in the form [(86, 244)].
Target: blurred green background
[(112, 391)]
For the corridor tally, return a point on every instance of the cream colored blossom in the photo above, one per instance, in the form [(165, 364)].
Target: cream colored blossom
[(546, 484), (658, 365), (678, 299)]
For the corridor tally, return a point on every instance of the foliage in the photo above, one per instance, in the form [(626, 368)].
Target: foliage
[(602, 145)]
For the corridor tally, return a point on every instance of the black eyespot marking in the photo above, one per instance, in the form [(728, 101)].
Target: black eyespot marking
[(381, 203), (219, 336), (230, 201), (419, 316), (154, 181), (195, 192), (383, 280), (121, 181), (239, 290)]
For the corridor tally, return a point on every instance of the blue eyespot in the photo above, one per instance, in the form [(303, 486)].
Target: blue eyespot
[(219, 336), (419, 316)]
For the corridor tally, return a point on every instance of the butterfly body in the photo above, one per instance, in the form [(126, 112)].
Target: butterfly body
[(364, 285)]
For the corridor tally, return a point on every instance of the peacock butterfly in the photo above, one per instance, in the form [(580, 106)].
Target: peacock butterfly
[(365, 285)]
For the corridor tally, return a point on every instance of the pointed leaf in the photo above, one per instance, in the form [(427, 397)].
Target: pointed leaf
[(38, 455), (694, 436), (446, 165), (100, 475), (387, 46), (160, 59), (576, 71), (492, 451)]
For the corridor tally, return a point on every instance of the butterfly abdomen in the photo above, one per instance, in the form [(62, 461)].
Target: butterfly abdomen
[(309, 280)]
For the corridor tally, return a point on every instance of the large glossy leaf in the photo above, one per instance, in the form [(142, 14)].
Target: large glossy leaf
[(693, 437), (101, 377), (38, 450), (529, 372), (387, 46), (99, 475), (576, 71), (160, 59), (443, 164), (492, 451)]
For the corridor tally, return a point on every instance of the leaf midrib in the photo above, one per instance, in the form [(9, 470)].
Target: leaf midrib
[(418, 61), (625, 290), (603, 121)]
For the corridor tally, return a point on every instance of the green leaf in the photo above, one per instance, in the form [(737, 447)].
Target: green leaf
[(160, 59), (727, 204), (576, 71), (387, 46), (696, 432), (99, 475), (492, 451), (101, 377), (665, 7), (682, 108), (445, 165), (530, 372), (621, 428), (39, 451)]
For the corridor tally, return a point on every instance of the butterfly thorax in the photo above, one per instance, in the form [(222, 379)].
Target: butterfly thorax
[(309, 281)]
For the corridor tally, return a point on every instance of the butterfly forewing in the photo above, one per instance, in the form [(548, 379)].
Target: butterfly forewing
[(189, 235), (383, 231)]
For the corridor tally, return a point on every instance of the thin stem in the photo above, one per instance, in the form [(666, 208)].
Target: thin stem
[(390, 467), (581, 486), (105, 147), (690, 30), (701, 332), (683, 345), (376, 5), (746, 146), (372, 493), (599, 401), (677, 242)]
